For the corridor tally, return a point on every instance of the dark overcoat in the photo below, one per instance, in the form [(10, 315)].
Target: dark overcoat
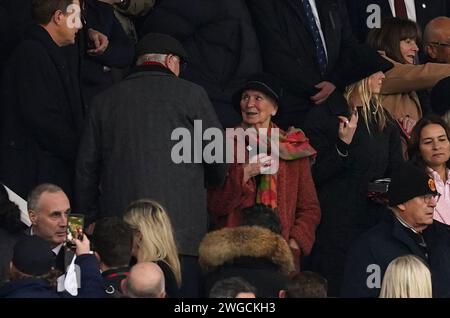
[(342, 184), (41, 116), (125, 152)]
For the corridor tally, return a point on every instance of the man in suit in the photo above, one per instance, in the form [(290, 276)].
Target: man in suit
[(303, 43), (41, 112), (48, 208), (407, 229), (368, 14), (126, 149)]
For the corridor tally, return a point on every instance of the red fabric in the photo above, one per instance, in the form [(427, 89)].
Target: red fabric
[(298, 205), (400, 9)]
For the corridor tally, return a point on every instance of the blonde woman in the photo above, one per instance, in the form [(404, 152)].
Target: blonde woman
[(357, 143), (153, 240), (406, 277)]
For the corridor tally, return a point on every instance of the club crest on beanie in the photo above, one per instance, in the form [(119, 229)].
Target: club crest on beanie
[(408, 182)]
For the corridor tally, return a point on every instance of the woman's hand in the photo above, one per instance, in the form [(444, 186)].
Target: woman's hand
[(347, 128), (258, 164)]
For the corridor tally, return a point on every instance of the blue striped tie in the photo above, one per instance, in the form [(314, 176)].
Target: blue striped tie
[(320, 50)]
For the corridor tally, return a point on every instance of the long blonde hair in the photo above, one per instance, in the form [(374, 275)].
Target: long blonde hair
[(158, 244), (407, 277), (372, 109)]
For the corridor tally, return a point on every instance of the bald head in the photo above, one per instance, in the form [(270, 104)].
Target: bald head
[(146, 280), (437, 39)]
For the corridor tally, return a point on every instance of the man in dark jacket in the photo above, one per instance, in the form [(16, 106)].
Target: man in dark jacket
[(409, 229), (303, 43), (369, 14), (126, 150), (41, 112)]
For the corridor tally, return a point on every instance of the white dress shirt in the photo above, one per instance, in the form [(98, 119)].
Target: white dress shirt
[(410, 9)]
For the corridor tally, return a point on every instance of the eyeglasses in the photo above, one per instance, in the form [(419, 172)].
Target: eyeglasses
[(431, 197), (440, 44)]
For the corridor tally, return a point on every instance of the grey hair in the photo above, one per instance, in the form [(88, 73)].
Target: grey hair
[(160, 58), (35, 194)]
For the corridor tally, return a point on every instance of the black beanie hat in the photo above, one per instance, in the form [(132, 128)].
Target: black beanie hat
[(264, 83), (409, 182), (33, 256)]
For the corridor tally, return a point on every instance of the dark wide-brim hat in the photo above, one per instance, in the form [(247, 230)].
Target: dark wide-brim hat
[(409, 182), (362, 62), (158, 43), (33, 256), (264, 83), (440, 97)]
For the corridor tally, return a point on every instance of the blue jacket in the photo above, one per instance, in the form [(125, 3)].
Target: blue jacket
[(92, 284), (389, 240)]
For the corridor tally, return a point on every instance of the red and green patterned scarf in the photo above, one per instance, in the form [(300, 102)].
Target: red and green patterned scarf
[(293, 145)]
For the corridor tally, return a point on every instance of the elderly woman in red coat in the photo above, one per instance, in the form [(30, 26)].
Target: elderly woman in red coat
[(289, 190)]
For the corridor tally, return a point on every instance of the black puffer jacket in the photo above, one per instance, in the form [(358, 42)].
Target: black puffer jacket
[(220, 41)]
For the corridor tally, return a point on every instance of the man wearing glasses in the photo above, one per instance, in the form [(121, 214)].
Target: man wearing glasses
[(437, 40), (408, 229)]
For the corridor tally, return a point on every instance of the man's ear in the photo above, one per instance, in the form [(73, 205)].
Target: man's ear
[(282, 294), (401, 207), (33, 217), (58, 17)]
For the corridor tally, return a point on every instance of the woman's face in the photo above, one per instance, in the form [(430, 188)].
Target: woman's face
[(409, 50), (375, 82), (257, 109), (434, 145)]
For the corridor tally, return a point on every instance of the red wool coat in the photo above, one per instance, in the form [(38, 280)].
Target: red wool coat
[(298, 205)]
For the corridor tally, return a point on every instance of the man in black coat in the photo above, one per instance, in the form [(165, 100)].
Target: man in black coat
[(409, 229), (128, 150), (369, 14), (41, 112), (289, 50)]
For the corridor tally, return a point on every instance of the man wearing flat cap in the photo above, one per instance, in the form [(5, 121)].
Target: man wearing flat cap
[(407, 229), (125, 152)]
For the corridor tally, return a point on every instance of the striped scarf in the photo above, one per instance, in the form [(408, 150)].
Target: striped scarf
[(293, 145)]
